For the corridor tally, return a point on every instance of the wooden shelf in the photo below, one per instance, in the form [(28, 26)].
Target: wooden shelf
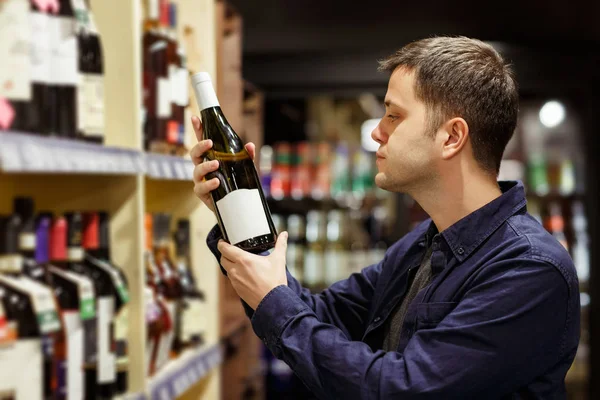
[(27, 153), (158, 166), (121, 179), (22, 152), (180, 374)]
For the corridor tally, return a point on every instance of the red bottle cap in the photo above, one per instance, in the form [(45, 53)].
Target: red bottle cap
[(91, 228), (58, 240)]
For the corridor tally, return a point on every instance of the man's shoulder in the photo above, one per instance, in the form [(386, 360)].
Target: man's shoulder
[(536, 243)]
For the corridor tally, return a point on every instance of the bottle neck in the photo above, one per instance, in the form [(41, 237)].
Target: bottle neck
[(216, 127)]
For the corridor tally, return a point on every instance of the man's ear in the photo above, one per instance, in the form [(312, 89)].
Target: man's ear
[(456, 136)]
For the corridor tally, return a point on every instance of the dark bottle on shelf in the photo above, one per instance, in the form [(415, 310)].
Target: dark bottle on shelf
[(75, 257), (240, 204), (190, 329), (76, 299), (157, 88), (173, 294), (100, 362), (120, 293), (33, 116), (90, 95), (168, 272), (64, 72), (34, 272), (181, 237), (157, 316), (16, 237), (149, 38), (15, 297), (24, 207), (15, 76), (175, 65)]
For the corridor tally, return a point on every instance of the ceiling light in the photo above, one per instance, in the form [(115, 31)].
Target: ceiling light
[(552, 114)]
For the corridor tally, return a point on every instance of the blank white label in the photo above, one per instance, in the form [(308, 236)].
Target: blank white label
[(193, 319), (173, 79), (106, 358), (27, 241), (21, 369), (15, 31), (90, 104), (64, 70), (40, 47), (75, 350), (183, 92), (166, 339), (163, 98), (243, 215)]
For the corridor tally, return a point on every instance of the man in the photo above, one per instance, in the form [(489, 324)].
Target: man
[(479, 302)]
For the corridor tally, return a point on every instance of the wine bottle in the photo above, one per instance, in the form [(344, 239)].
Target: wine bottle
[(15, 69), (21, 303), (33, 275), (100, 368), (121, 293), (241, 208), (64, 72), (90, 96), (76, 299)]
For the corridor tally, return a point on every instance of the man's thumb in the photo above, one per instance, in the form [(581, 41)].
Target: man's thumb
[(281, 244)]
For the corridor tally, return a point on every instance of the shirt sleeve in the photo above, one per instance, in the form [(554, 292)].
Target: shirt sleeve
[(345, 304), (506, 330)]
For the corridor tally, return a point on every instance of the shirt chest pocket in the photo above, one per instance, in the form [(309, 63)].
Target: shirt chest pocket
[(429, 315)]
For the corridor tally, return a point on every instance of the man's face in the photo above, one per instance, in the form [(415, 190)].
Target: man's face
[(406, 155)]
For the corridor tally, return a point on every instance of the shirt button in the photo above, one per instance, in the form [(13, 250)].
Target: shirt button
[(460, 251), (377, 319)]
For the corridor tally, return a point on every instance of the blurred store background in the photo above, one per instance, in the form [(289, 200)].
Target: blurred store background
[(102, 239)]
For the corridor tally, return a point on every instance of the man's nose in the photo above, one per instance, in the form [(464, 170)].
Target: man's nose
[(378, 135)]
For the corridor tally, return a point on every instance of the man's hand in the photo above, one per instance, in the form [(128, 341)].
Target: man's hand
[(202, 187), (254, 276)]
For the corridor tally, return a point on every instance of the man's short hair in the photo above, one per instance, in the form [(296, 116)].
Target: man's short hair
[(464, 77)]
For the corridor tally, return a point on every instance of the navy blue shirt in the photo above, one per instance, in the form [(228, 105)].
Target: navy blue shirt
[(499, 320)]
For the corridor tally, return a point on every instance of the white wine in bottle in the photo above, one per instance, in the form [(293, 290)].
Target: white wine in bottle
[(240, 204)]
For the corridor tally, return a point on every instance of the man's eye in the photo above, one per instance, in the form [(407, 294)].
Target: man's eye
[(392, 117)]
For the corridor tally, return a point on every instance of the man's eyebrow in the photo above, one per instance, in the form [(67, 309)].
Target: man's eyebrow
[(390, 103)]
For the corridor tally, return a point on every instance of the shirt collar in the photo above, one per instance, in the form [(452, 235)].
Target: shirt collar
[(464, 236)]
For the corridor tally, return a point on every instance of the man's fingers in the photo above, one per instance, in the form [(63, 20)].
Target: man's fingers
[(281, 245), (203, 169), (226, 264), (198, 151), (231, 252), (251, 149), (197, 127), (203, 189)]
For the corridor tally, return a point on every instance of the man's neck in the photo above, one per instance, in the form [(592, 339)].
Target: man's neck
[(451, 200)]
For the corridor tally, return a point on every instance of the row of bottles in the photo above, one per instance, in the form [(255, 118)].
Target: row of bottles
[(325, 247), (165, 80), (174, 304), (316, 170), (52, 74), (65, 303), (567, 222)]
